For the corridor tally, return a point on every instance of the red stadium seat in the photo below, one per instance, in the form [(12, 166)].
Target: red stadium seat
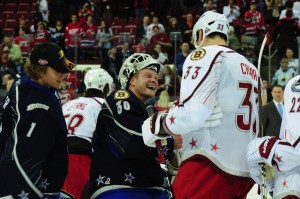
[(24, 7), (130, 28), (119, 22), (11, 23), (10, 7), (8, 31), (116, 29), (134, 21)]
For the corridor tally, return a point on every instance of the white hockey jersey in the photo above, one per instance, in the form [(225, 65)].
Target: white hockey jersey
[(217, 75), (81, 116), (290, 129)]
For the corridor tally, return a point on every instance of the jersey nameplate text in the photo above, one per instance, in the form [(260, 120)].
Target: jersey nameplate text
[(198, 54), (121, 95)]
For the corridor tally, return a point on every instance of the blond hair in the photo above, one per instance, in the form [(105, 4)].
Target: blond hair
[(34, 72)]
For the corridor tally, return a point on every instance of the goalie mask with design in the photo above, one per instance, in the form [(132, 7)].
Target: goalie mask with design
[(210, 22), (135, 63)]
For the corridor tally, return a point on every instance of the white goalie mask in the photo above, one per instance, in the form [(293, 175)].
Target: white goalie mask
[(210, 22), (135, 63), (97, 79)]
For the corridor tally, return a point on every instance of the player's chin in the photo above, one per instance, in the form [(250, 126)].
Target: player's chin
[(151, 92)]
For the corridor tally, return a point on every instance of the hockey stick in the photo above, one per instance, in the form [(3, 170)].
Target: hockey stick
[(260, 128), (161, 158)]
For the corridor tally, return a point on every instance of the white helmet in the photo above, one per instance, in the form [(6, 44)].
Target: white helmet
[(135, 63), (210, 22), (97, 79)]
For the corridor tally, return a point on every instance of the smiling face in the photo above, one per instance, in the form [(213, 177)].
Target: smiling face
[(144, 84), (52, 79), (277, 93)]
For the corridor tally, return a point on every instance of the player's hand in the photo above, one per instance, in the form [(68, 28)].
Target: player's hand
[(261, 150), (215, 117), (256, 175), (153, 130), (177, 141)]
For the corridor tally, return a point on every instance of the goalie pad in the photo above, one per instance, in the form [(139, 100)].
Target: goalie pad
[(261, 150), (152, 130)]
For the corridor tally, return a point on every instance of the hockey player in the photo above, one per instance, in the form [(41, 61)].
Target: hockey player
[(81, 117), (216, 81), (33, 133), (283, 154), (122, 165)]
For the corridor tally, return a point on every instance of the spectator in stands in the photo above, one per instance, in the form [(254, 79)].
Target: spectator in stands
[(265, 92), (187, 28), (254, 21), (273, 11), (43, 9), (233, 41), (72, 36), (154, 54), (140, 7), (104, 37), (6, 65), (286, 32), (14, 54), (88, 40), (231, 11), (209, 5), (150, 30), (41, 33), (25, 43), (22, 23), (162, 57), (181, 56), (173, 26), (296, 13), (167, 81), (141, 30), (283, 74), (112, 64), (87, 9), (293, 61), (161, 38), (141, 47), (57, 34), (296, 5), (66, 92), (271, 118), (126, 51)]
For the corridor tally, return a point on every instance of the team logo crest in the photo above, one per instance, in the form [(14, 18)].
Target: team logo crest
[(296, 86), (121, 95), (42, 62), (198, 54)]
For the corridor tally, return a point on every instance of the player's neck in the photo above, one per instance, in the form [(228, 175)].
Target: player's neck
[(214, 41)]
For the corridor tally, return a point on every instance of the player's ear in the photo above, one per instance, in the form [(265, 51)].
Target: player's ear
[(199, 35), (106, 90)]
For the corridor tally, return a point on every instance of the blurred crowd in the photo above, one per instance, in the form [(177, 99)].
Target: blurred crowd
[(106, 32)]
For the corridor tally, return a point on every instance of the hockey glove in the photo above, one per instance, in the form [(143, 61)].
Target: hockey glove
[(261, 150), (152, 129)]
